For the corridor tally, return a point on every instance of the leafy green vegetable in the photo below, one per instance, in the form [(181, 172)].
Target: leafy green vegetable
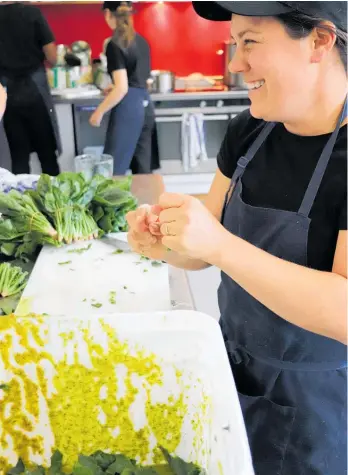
[(111, 203), (24, 213), (61, 210), (12, 279), (18, 469), (65, 199), (56, 464), (101, 463), (179, 466)]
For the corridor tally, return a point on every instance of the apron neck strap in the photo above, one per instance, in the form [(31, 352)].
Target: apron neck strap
[(320, 169), (244, 161)]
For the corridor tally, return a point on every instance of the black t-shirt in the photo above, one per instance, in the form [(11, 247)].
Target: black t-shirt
[(279, 175), (23, 33), (144, 60), (123, 58)]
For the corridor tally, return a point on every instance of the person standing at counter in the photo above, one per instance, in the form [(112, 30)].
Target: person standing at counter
[(127, 96), (275, 223), (26, 42)]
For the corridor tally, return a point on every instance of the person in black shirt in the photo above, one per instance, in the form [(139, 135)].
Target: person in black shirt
[(127, 97), (26, 41), (275, 223)]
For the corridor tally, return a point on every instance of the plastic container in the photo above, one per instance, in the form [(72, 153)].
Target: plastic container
[(93, 164), (122, 383)]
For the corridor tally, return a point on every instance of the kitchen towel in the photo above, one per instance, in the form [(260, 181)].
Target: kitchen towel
[(193, 147)]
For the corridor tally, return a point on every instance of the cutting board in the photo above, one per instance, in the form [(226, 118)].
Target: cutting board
[(98, 280)]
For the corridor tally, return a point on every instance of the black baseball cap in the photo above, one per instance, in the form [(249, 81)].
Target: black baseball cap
[(113, 6), (336, 12)]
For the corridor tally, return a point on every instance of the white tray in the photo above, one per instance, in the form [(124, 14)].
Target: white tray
[(189, 349)]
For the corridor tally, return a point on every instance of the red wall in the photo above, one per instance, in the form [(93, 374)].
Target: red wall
[(180, 40)]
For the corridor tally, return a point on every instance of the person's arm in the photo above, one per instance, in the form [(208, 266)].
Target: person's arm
[(45, 38), (117, 65), (3, 100), (311, 299), (117, 92), (155, 249), (50, 52)]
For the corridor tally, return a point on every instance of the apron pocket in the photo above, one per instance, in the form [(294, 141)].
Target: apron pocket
[(268, 427)]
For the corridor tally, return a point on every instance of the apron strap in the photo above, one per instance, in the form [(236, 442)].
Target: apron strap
[(244, 161), (320, 169)]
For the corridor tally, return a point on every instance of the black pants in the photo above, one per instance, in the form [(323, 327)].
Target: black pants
[(142, 159), (28, 128)]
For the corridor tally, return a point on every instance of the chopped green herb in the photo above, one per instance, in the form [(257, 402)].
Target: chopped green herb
[(84, 300), (97, 305), (4, 387), (64, 263), (144, 258), (80, 251), (145, 270), (156, 264), (118, 251), (125, 287), (112, 298)]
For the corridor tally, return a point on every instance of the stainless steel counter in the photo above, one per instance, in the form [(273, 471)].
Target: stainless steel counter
[(171, 96)]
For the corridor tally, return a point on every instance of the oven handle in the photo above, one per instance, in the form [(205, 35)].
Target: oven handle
[(206, 118)]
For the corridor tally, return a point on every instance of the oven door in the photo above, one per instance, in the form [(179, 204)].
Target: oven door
[(170, 146)]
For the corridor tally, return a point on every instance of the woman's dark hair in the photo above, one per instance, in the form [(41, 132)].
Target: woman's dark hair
[(299, 25), (124, 33)]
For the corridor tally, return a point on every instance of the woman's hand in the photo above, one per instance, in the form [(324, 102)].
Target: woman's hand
[(96, 118), (144, 235), (189, 228)]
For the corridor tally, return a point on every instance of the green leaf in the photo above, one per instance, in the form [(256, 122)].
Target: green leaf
[(87, 466), (121, 463), (97, 305), (103, 460), (5, 387), (56, 464), (18, 469), (12, 279), (179, 466), (81, 250)]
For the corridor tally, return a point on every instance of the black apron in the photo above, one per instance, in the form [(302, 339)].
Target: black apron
[(292, 383), (5, 155), (39, 78)]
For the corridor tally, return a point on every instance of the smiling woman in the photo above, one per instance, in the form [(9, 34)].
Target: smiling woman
[(275, 223)]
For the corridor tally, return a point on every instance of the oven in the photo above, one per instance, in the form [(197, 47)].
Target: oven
[(217, 113)]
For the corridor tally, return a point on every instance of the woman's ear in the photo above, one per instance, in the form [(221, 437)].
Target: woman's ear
[(324, 39)]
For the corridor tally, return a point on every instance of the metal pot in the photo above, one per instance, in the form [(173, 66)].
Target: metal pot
[(163, 81), (231, 79)]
